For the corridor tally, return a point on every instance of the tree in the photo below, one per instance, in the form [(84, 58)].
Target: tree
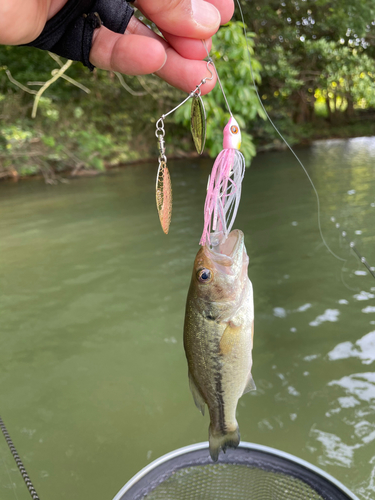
[(313, 47), (231, 57)]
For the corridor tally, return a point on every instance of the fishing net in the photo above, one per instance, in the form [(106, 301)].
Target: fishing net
[(231, 482), (251, 472)]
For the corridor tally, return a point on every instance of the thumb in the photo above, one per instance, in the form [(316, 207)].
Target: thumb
[(185, 18)]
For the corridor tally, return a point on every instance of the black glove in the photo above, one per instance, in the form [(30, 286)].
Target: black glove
[(69, 33)]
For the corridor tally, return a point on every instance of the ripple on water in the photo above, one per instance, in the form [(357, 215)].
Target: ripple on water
[(364, 349), (361, 385), (368, 309), (335, 452), (347, 435), (364, 296), (331, 315)]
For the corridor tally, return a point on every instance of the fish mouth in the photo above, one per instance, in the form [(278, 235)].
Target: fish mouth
[(226, 252)]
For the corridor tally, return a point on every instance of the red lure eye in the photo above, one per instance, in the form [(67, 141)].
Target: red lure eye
[(234, 129)]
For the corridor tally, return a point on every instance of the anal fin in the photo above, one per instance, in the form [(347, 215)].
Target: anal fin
[(198, 400), (250, 385)]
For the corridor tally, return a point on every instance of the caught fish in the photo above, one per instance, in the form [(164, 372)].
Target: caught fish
[(218, 335)]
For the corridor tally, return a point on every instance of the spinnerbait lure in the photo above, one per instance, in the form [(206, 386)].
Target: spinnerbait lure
[(198, 131)]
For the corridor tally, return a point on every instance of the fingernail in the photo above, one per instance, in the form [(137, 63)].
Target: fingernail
[(165, 60), (205, 14)]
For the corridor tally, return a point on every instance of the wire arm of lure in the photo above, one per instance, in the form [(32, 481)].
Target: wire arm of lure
[(210, 60), (204, 80), (178, 106), (160, 131), (196, 91)]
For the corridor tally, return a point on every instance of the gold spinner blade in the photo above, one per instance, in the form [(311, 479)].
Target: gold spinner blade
[(164, 196)]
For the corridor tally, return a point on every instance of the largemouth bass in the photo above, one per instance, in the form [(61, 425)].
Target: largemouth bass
[(218, 335)]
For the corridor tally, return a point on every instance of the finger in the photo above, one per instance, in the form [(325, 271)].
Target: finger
[(186, 74), (182, 72), (187, 18), (135, 54), (226, 9), (129, 54), (190, 48)]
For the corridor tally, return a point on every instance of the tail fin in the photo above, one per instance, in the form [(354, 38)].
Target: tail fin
[(223, 440)]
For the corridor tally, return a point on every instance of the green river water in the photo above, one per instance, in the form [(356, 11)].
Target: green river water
[(93, 376)]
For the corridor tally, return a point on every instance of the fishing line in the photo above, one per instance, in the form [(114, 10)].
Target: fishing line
[(351, 289), (284, 140)]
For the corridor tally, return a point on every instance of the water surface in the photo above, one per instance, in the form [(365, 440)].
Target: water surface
[(93, 377)]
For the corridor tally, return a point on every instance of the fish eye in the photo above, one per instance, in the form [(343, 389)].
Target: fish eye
[(204, 275), (234, 129)]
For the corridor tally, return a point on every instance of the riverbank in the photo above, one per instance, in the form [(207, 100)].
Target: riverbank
[(362, 125), (265, 138)]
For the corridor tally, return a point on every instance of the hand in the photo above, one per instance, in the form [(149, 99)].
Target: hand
[(177, 58)]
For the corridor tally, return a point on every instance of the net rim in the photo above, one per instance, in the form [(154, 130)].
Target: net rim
[(245, 445)]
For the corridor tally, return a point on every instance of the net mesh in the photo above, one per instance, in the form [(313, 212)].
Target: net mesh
[(249, 472), (231, 482)]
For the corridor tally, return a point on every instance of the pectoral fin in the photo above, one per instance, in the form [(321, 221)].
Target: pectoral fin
[(229, 339), (198, 400), (250, 385)]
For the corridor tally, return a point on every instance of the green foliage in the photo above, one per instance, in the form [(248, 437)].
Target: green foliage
[(314, 49), (313, 66), (57, 145), (230, 54), (72, 130), (347, 74), (284, 23)]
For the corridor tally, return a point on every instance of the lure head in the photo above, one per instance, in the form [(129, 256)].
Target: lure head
[(232, 135)]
